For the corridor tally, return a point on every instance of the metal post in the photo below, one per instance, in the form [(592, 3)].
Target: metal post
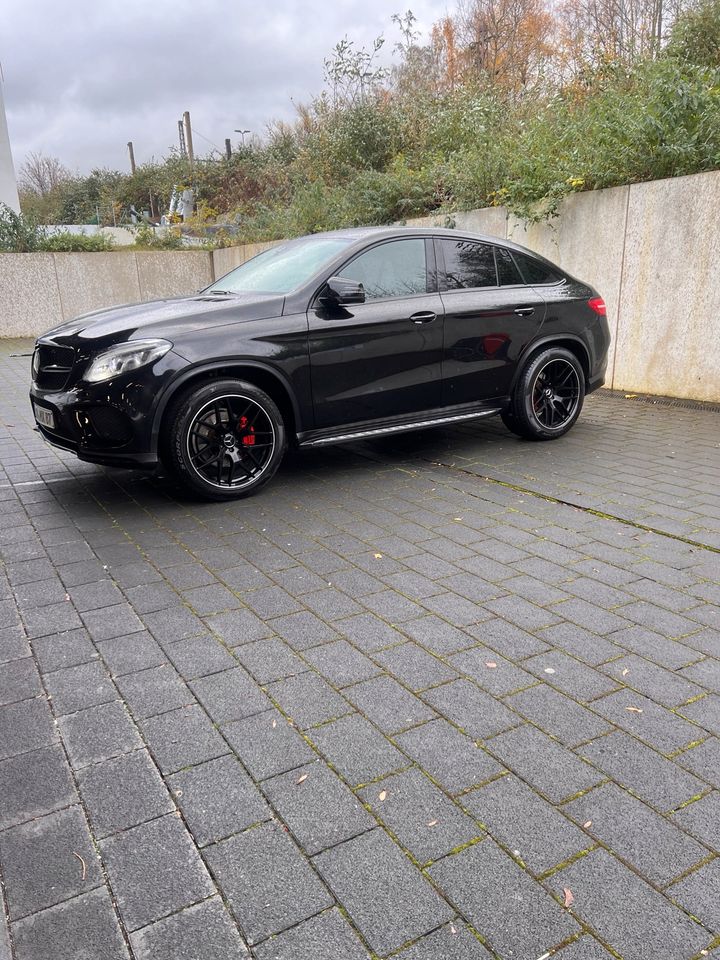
[(181, 138), (188, 136), (228, 148), (132, 156)]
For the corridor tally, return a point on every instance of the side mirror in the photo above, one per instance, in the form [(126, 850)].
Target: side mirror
[(338, 292)]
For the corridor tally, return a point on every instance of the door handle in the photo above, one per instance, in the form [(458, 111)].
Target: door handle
[(423, 316), (524, 311)]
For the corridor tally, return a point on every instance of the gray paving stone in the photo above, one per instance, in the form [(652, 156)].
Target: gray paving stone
[(422, 818), (85, 926), (340, 663), (437, 636), (204, 930), (655, 647), (239, 627), (391, 606), (647, 720), (230, 695), (507, 639), (303, 630), (450, 757), (182, 737), (25, 726), (269, 660), (543, 763), (414, 667), (13, 644), (641, 837), (705, 673), (500, 678), (98, 733), (308, 699), (269, 884), (702, 819), (570, 676), (581, 644), (137, 651), (154, 870), (525, 823), (558, 715), (660, 782), (326, 937), (154, 691), (34, 784), (451, 942), (386, 897), (118, 620), (513, 913), (64, 650), (267, 744), (699, 894), (51, 619), (369, 633), (74, 688), (586, 948), (664, 686), (94, 595), (471, 709), (703, 761), (627, 913), (705, 712), (357, 750), (123, 792), (19, 680), (211, 598), (39, 865), (317, 807), (218, 799), (199, 656), (388, 705), (174, 624)]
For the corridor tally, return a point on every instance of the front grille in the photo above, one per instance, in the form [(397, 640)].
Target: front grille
[(51, 366)]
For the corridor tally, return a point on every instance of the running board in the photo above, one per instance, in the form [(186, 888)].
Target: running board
[(398, 428)]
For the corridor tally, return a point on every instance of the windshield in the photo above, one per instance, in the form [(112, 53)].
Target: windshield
[(282, 268)]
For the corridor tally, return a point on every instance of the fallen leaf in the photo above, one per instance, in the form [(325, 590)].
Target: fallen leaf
[(490, 664), (84, 867), (382, 795), (630, 396), (587, 824), (453, 928), (634, 709), (625, 672), (457, 519), (569, 898), (378, 556), (274, 723), (549, 670), (432, 823), (302, 779)]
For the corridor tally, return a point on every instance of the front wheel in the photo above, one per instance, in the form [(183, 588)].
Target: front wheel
[(548, 396), (226, 439)]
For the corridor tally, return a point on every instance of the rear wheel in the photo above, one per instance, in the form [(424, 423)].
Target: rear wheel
[(226, 439), (548, 396)]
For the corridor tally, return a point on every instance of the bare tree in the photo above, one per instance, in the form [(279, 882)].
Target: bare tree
[(41, 175)]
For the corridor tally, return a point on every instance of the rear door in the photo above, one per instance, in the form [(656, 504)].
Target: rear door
[(381, 358), (490, 316)]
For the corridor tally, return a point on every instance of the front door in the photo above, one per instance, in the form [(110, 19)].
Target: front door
[(381, 358), (490, 317)]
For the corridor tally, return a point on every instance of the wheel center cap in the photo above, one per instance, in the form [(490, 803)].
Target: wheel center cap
[(229, 440), (548, 392)]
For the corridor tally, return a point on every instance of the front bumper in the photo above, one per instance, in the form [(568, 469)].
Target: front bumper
[(108, 423)]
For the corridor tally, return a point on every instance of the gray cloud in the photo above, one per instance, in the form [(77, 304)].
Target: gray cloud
[(82, 77)]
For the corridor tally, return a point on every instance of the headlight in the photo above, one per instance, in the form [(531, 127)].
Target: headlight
[(124, 358)]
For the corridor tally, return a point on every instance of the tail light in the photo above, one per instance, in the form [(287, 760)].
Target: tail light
[(597, 305)]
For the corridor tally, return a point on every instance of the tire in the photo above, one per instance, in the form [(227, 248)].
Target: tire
[(548, 396), (225, 439)]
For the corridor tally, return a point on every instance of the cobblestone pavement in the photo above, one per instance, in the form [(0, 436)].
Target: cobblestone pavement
[(447, 697)]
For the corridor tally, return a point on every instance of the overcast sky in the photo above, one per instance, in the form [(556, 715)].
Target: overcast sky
[(82, 77)]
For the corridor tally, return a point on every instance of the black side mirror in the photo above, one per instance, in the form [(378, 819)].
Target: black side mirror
[(338, 292)]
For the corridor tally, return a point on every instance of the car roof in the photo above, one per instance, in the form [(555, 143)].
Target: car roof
[(357, 234)]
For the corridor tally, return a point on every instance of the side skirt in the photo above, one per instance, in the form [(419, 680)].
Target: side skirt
[(369, 430)]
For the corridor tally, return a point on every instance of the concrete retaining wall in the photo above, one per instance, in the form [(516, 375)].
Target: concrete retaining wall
[(651, 249)]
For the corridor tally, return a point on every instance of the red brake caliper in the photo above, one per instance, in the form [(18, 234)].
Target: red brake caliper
[(248, 439)]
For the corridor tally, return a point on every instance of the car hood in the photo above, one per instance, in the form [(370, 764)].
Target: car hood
[(165, 319)]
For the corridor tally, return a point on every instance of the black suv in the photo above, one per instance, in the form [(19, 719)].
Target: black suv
[(332, 337)]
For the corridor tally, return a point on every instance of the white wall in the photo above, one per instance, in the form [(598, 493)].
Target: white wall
[(8, 184)]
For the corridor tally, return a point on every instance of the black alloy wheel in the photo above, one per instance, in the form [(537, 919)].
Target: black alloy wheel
[(548, 396), (227, 438)]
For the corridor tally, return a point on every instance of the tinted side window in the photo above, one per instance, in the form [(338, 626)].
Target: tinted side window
[(508, 273), (535, 271), (395, 269), (468, 264)]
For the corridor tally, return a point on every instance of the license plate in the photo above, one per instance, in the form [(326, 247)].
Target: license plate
[(45, 417)]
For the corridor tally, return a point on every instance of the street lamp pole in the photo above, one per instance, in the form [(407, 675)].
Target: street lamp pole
[(242, 134)]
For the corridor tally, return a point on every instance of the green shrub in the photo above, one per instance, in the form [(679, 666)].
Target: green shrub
[(66, 242)]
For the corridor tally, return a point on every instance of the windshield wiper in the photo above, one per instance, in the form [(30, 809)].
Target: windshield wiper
[(221, 291)]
